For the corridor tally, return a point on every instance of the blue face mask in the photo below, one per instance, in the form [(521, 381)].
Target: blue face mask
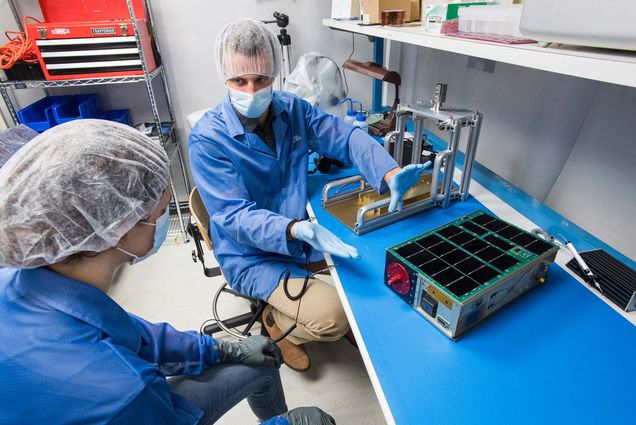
[(161, 231), (251, 105)]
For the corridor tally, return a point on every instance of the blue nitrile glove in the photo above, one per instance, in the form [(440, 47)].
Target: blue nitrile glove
[(323, 240), (254, 350), (308, 416), (403, 181)]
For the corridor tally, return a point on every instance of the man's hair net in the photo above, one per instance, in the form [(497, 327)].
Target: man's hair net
[(247, 47), (77, 187)]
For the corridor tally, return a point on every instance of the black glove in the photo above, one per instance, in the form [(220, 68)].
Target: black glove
[(308, 416), (255, 350)]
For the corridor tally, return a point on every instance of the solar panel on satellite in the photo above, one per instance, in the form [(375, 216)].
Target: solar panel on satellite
[(470, 252), (474, 228), (454, 271)]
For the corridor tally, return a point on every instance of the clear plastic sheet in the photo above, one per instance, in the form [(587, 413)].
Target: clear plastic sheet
[(318, 80)]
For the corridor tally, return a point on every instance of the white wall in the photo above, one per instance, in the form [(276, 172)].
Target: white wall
[(187, 30), (567, 141), (597, 187), (531, 118)]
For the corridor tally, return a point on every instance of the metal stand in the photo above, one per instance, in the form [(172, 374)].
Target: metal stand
[(170, 142), (282, 21), (371, 208)]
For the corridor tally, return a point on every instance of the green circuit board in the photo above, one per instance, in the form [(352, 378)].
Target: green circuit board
[(466, 256)]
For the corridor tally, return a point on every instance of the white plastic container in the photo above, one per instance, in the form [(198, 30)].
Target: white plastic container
[(350, 116), (345, 9), (361, 122), (498, 20), (594, 23)]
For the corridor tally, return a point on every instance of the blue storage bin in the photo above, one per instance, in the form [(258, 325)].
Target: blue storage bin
[(39, 115), (77, 107), (117, 115)]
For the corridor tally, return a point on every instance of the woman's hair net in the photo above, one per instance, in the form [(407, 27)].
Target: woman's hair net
[(247, 47), (77, 187), (12, 139)]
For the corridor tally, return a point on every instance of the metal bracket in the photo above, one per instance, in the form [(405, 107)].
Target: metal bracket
[(362, 210), (341, 184)]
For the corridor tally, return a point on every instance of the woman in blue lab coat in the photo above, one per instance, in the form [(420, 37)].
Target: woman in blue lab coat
[(249, 159), (78, 202)]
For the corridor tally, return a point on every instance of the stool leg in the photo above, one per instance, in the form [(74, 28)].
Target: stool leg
[(256, 317)]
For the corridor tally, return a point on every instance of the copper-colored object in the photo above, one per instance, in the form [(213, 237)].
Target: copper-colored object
[(393, 17), (376, 71), (346, 211)]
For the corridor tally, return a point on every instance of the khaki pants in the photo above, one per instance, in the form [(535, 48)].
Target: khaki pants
[(320, 317)]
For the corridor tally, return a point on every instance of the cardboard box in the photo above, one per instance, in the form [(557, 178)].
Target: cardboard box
[(437, 14), (416, 8), (372, 9)]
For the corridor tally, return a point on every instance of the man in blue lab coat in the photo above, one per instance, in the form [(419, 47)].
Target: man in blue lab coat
[(249, 159)]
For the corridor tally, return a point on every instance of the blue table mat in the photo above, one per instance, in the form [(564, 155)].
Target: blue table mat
[(558, 354)]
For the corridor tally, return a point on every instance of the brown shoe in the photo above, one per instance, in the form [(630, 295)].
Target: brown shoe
[(294, 356)]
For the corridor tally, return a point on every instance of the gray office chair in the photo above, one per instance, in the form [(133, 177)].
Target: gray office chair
[(199, 230)]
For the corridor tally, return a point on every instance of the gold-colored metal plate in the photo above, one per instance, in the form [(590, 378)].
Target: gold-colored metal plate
[(439, 296), (347, 210)]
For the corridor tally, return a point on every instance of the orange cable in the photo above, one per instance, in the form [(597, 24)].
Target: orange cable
[(19, 48)]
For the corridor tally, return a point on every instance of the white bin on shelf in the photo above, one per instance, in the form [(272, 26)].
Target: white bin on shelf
[(491, 20), (594, 23)]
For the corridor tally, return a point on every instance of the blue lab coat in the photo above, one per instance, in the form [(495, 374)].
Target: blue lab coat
[(70, 354), (252, 193)]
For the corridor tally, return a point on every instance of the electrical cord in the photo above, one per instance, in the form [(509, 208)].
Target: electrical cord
[(344, 74), (205, 323), (302, 290), (298, 297), (589, 276), (19, 48)]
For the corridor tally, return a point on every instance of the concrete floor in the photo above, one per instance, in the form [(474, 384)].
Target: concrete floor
[(169, 287)]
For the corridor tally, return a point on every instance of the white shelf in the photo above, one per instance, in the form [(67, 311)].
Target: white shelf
[(616, 67)]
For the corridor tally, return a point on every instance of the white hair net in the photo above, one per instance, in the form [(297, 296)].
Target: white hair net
[(12, 139), (317, 79), (77, 187), (247, 47)]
